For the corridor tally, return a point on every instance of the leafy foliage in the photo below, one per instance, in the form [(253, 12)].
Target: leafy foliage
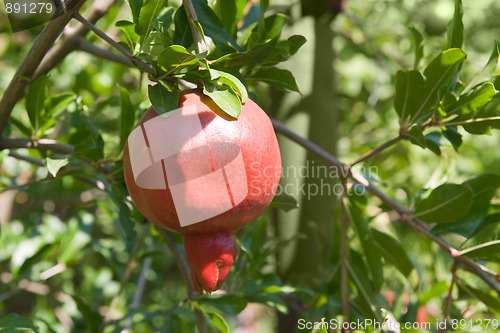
[(76, 253)]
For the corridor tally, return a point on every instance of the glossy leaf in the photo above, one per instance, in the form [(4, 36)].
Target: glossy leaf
[(175, 57), (149, 12), (213, 28), (231, 81), (225, 97), (249, 58), (456, 27), (446, 203), (128, 29), (481, 121), (472, 101), (135, 6), (407, 99), (163, 100), (54, 165), (153, 45), (484, 188), (279, 78), (438, 73), (417, 39), (35, 98)]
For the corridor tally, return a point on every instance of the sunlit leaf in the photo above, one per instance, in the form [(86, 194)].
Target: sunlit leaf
[(446, 203)]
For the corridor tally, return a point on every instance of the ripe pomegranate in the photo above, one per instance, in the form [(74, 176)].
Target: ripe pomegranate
[(203, 174)]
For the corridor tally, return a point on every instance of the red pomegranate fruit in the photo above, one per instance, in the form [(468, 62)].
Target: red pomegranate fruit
[(203, 174)]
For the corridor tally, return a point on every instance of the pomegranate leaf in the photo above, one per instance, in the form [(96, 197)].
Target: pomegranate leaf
[(446, 203), (225, 97), (163, 100)]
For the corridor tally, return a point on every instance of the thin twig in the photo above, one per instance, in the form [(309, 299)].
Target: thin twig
[(449, 297), (115, 44), (24, 73), (139, 290), (184, 269), (71, 35), (488, 276), (41, 144), (90, 48), (377, 150), (29, 159), (344, 276)]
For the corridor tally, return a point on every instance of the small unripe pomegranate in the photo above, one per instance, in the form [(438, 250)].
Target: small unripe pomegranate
[(204, 175)]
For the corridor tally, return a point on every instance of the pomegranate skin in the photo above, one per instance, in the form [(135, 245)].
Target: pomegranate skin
[(252, 131), (210, 259), (209, 243)]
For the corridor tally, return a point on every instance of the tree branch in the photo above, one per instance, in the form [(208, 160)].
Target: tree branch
[(71, 37), (24, 73), (115, 44), (90, 48), (491, 278), (377, 150), (42, 144), (344, 249)]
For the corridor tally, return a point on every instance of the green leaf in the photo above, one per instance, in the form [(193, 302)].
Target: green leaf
[(225, 97), (218, 321), (176, 57), (285, 49), (273, 26), (456, 27), (484, 188), (35, 98), (54, 165), (213, 28), (229, 304), (182, 34), (128, 29), (249, 58), (231, 81), (416, 136), (452, 135), (488, 69), (481, 121), (135, 6), (163, 101), (370, 250), (472, 101), (393, 252), (153, 44), (279, 78), (446, 203), (417, 39), (406, 101), (437, 74), (127, 116), (14, 322), (149, 12), (56, 104), (227, 11), (92, 318)]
